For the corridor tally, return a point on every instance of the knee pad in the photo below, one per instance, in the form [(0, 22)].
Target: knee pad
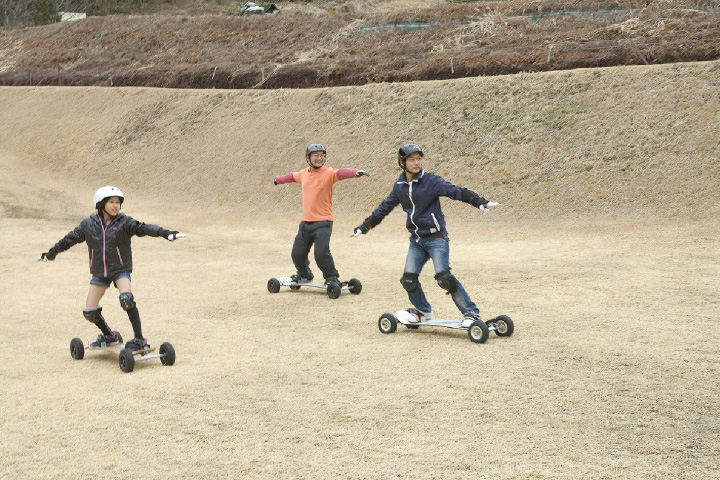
[(93, 315), (447, 281), (409, 281), (127, 301)]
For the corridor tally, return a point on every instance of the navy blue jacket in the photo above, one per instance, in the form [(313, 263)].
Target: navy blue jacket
[(108, 245), (420, 199)]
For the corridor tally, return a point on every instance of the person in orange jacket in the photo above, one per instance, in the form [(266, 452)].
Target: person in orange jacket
[(317, 181)]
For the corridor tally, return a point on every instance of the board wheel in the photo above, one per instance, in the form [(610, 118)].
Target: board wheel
[(273, 285), (126, 360), (168, 354), (77, 349), (478, 331), (504, 326), (294, 287), (354, 286), (333, 290), (387, 323)]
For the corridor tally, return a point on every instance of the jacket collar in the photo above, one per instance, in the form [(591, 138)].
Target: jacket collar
[(403, 178)]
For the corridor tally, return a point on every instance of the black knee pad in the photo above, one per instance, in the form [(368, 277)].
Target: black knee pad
[(447, 281), (127, 301), (409, 281), (93, 315)]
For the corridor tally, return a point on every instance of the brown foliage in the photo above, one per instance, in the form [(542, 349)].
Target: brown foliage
[(301, 49)]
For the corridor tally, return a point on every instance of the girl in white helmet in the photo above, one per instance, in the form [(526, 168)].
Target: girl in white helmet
[(107, 233)]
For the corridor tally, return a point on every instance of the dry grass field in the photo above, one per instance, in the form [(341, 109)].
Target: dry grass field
[(604, 252)]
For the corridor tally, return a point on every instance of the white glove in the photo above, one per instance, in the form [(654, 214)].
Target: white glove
[(174, 236), (485, 208), (356, 232)]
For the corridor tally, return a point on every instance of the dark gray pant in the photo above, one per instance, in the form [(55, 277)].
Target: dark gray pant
[(317, 233)]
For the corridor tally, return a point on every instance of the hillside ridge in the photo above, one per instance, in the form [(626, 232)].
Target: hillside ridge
[(627, 142)]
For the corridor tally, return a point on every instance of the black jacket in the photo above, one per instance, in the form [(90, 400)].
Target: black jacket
[(108, 245), (420, 199)]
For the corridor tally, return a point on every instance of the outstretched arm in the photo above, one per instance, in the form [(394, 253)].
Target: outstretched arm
[(382, 211), (72, 238), (370, 222), (141, 229), (472, 198), (287, 178), (345, 173)]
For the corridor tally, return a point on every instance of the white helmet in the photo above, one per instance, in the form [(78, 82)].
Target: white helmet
[(107, 192)]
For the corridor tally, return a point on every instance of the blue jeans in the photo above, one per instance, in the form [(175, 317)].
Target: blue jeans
[(439, 250)]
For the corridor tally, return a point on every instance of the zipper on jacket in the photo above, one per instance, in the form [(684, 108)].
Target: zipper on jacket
[(412, 213), (102, 225), (119, 256)]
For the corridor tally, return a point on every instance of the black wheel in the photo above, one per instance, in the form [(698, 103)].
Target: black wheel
[(478, 331), (294, 287), (504, 326), (273, 285), (77, 349), (387, 323), (126, 360), (168, 351), (354, 286), (333, 290)]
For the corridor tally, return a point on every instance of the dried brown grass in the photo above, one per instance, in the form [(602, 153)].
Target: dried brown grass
[(604, 251), (313, 48)]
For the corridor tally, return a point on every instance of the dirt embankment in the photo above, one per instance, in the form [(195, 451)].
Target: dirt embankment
[(638, 143)]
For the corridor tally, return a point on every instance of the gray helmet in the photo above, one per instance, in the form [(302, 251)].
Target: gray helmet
[(406, 150), (313, 147)]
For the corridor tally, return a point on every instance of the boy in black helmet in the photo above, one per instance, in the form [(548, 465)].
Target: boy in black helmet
[(419, 194), (107, 233), (316, 226)]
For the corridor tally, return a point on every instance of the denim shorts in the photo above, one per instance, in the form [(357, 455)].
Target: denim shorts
[(105, 282)]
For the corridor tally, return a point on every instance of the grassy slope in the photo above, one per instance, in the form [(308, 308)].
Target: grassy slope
[(638, 142)]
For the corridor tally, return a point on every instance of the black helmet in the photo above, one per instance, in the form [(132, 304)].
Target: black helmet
[(313, 147), (406, 150)]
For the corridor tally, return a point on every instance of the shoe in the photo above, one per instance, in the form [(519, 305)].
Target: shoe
[(114, 337), (421, 316), (298, 279), (469, 318), (332, 279), (137, 344)]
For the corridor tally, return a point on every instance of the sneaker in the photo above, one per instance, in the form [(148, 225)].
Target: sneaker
[(332, 279), (421, 316), (469, 318), (114, 337), (298, 279), (137, 344)]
